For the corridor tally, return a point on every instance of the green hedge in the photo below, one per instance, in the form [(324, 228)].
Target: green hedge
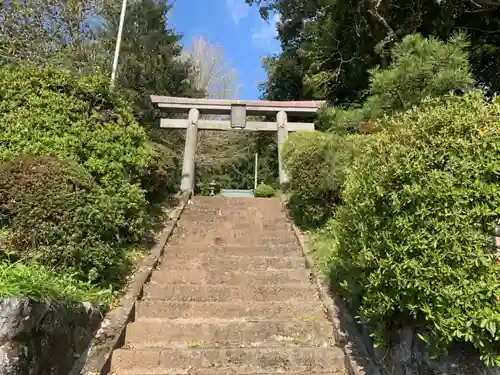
[(55, 113), (58, 216), (85, 196), (264, 191), (420, 208), (316, 163)]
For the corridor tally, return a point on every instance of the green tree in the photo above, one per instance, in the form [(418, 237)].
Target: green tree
[(43, 30), (150, 56), (150, 63), (338, 41), (421, 68)]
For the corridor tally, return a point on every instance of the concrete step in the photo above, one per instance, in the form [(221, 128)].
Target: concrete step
[(238, 311), (227, 361), (234, 293), (227, 334), (242, 370), (203, 201), (242, 224), (231, 263), (230, 240), (233, 230), (188, 250), (219, 276), (218, 214)]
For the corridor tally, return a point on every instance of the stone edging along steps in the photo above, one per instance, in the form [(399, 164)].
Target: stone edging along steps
[(187, 301), (358, 361), (96, 359)]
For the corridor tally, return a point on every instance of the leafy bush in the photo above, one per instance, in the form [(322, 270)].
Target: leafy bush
[(53, 112), (316, 163), (419, 213), (264, 191), (59, 217)]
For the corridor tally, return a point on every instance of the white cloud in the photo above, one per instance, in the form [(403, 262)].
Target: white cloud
[(238, 9), (267, 33)]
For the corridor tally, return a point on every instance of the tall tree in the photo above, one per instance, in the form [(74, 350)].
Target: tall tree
[(211, 72), (55, 30), (337, 41), (150, 56), (150, 63)]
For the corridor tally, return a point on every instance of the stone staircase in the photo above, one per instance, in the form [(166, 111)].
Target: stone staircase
[(232, 296)]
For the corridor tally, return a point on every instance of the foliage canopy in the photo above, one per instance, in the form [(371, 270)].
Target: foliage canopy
[(329, 46)]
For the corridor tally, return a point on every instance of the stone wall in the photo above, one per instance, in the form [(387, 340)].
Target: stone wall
[(42, 338)]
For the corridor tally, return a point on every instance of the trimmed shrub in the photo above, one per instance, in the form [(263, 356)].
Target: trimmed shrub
[(414, 233), (59, 217), (264, 191), (316, 164), (53, 112)]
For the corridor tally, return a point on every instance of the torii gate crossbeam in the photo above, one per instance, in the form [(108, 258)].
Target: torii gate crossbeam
[(239, 110)]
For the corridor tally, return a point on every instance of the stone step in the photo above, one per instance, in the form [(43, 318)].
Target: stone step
[(227, 334), (231, 263), (234, 293), (233, 231), (224, 239), (254, 206), (241, 370), (243, 224), (204, 201), (219, 214), (189, 250), (228, 240), (238, 311), (219, 276), (227, 361)]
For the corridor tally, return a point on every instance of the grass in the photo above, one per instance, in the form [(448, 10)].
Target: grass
[(322, 244), (195, 344), (38, 282)]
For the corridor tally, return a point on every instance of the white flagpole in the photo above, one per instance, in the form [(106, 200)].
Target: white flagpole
[(118, 43)]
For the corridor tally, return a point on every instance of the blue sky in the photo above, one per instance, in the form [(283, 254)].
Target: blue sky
[(235, 27)]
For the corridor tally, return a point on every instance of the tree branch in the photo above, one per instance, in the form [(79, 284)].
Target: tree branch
[(494, 3), (391, 35)]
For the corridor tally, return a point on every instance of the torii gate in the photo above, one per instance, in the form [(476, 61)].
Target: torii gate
[(238, 110)]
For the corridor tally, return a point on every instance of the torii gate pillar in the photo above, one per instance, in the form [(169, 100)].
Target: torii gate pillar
[(281, 121), (188, 164)]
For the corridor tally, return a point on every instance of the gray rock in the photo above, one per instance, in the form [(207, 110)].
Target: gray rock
[(43, 338)]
